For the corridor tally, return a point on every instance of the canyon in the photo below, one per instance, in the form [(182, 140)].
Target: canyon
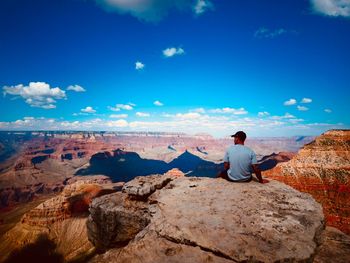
[(60, 220), (153, 197), (39, 163), (322, 169)]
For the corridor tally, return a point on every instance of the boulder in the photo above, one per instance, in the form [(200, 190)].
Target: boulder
[(203, 220), (143, 186)]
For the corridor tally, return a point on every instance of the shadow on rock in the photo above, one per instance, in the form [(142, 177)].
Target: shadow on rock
[(42, 250)]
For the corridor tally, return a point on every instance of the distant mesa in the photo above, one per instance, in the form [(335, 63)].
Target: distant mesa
[(201, 150), (270, 161), (170, 147), (110, 164)]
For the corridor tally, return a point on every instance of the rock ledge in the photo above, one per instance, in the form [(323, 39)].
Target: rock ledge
[(203, 220)]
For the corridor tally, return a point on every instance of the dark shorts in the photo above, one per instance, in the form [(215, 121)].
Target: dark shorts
[(224, 175)]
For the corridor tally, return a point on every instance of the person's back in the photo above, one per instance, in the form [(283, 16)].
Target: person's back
[(241, 159), (240, 162)]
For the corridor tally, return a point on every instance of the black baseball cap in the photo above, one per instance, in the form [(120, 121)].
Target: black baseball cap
[(241, 135)]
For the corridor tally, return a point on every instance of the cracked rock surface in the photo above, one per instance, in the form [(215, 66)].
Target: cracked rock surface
[(143, 186), (210, 220)]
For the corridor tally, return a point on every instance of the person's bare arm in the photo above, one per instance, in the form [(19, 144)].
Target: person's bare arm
[(257, 172), (226, 166)]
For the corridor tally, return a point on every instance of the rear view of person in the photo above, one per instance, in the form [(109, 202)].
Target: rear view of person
[(240, 161)]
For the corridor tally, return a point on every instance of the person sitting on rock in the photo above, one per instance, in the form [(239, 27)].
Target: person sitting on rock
[(240, 161)]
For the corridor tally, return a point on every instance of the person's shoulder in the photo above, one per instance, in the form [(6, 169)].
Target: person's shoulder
[(230, 147), (248, 149)]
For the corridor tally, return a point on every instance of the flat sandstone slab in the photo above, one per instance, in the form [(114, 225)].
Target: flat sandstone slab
[(209, 219)]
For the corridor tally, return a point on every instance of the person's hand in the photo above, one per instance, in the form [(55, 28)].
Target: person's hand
[(264, 181)]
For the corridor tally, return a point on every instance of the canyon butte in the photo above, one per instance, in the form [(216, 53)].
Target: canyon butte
[(175, 217)]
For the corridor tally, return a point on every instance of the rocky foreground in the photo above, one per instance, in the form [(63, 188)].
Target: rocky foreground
[(180, 219), (172, 218)]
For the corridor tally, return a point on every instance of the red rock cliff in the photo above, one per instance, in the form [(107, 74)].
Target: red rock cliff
[(322, 168)]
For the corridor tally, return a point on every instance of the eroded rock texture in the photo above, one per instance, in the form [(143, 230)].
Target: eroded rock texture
[(322, 168), (207, 220), (61, 219), (335, 247)]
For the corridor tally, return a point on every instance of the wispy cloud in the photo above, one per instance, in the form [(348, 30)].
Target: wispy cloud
[(153, 10), (264, 32), (306, 100), (302, 108), (88, 109), (139, 65), (199, 110), (189, 115), (285, 116), (240, 111), (118, 116), (202, 6), (331, 7), (263, 114), (117, 124), (290, 102), (143, 114), (119, 107), (37, 94), (328, 110), (76, 88), (158, 103), (183, 122), (172, 51)]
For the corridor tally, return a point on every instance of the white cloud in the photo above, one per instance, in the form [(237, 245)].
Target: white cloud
[(113, 108), (117, 123), (76, 88), (88, 109), (263, 113), (328, 110), (290, 102), (183, 122), (331, 7), (124, 106), (153, 10), (201, 6), (302, 108), (142, 114), (190, 115), (294, 121), (37, 94), (158, 103), (240, 111), (139, 65), (306, 100), (264, 32), (199, 110), (118, 116), (285, 116), (119, 107), (172, 51), (288, 116)]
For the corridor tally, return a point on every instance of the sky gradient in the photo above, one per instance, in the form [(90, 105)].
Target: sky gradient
[(270, 68)]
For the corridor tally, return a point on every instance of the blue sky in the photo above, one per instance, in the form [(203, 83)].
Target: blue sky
[(271, 68)]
